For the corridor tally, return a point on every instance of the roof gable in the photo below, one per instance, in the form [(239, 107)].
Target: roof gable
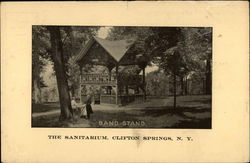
[(116, 49)]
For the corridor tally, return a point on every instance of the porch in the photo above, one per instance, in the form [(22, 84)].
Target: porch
[(109, 91)]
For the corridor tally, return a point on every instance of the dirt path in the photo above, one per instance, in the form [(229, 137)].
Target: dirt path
[(34, 115)]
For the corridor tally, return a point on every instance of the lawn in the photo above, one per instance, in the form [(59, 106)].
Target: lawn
[(191, 112)]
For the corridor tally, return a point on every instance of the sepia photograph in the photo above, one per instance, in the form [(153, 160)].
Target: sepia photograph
[(121, 77)]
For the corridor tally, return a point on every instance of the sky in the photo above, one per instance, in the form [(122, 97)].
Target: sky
[(103, 32)]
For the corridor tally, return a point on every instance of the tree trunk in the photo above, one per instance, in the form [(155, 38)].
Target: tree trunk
[(36, 80), (59, 66), (109, 88), (36, 92), (174, 90), (208, 77), (73, 94), (182, 86), (203, 86), (186, 85)]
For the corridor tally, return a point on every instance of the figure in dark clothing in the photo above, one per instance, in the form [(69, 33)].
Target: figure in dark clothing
[(88, 106)]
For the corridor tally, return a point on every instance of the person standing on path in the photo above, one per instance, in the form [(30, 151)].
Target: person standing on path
[(88, 106)]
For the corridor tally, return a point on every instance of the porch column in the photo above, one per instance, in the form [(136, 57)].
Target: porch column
[(144, 84), (116, 96), (80, 84), (109, 87), (126, 87)]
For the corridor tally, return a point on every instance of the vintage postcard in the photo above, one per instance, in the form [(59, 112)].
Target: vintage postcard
[(163, 81)]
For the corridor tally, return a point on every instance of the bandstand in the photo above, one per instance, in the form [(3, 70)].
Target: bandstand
[(120, 87)]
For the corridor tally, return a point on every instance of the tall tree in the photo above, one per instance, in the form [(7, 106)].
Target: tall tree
[(164, 44), (40, 44), (173, 64), (60, 70), (197, 45)]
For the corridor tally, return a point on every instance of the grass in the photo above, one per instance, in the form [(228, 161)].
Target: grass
[(38, 108), (191, 112), (46, 121)]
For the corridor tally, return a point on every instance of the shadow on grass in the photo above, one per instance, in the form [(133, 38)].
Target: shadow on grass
[(44, 107), (190, 122), (159, 111), (201, 101), (194, 124), (46, 121)]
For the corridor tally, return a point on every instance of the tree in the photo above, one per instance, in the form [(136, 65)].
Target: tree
[(193, 47), (197, 45), (164, 50), (40, 44), (58, 44), (60, 70)]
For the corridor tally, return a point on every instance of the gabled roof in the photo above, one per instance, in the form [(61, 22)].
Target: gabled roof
[(117, 49)]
